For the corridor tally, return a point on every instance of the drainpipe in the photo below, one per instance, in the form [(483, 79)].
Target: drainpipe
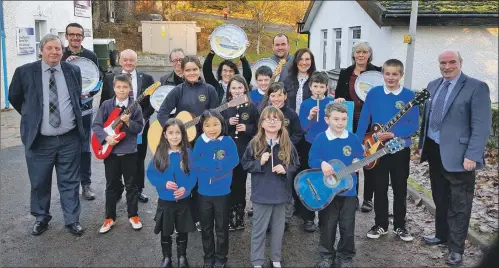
[(4, 57)]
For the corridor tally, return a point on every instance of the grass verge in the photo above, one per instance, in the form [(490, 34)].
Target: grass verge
[(419, 188)]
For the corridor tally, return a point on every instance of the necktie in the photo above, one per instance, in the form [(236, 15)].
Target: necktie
[(54, 112), (299, 94), (438, 108), (130, 94)]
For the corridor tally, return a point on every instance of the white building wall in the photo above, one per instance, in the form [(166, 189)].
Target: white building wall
[(478, 46), (56, 14)]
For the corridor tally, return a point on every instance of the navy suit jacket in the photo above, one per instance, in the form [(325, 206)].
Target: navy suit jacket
[(26, 96), (466, 123)]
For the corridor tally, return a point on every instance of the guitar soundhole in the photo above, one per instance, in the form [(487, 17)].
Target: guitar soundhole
[(330, 181)]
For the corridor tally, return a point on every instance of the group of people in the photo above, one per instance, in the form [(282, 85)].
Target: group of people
[(288, 126)]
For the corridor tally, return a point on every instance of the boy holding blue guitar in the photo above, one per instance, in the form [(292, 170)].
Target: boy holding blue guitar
[(336, 143)]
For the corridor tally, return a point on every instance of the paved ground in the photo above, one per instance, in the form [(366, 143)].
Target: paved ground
[(123, 247)]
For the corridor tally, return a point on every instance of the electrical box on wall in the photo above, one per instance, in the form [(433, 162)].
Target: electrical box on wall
[(407, 39)]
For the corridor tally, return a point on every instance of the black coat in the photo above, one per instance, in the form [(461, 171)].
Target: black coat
[(342, 87)]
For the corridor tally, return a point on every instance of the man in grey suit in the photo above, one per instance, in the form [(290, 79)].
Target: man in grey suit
[(454, 132), (47, 95)]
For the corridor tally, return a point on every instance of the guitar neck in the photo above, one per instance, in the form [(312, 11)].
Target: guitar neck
[(128, 110), (195, 121), (397, 117), (357, 165)]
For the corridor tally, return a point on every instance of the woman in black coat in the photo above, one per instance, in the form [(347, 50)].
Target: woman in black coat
[(362, 55)]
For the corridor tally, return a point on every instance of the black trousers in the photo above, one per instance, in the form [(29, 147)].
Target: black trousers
[(303, 150), (453, 197), (238, 186), (63, 153), (86, 158), (394, 167), (116, 167), (340, 212), (214, 209), (141, 156)]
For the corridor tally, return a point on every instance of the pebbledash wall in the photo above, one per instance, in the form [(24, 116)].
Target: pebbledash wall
[(477, 45), (44, 16)]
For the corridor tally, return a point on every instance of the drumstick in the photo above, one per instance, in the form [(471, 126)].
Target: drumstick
[(272, 153), (318, 107)]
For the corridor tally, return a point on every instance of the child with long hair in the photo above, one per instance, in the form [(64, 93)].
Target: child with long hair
[(272, 161), (215, 155), (171, 172), (241, 122)]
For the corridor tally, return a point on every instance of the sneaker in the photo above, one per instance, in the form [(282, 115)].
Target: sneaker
[(135, 222), (108, 224), (376, 231), (325, 263), (367, 206), (198, 226), (87, 192), (403, 234)]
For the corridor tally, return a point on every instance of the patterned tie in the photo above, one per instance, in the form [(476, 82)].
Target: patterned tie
[(130, 94), (438, 108), (299, 94), (54, 112)]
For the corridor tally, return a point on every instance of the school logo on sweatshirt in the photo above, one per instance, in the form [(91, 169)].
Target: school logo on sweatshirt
[(280, 155), (347, 150), (286, 122), (245, 116), (202, 98), (220, 154), (399, 105)]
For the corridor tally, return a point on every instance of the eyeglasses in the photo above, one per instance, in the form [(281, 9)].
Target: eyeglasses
[(75, 35), (272, 120), (177, 60)]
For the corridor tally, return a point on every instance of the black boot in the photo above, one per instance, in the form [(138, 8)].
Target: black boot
[(240, 217), (232, 222), (166, 246), (182, 253)]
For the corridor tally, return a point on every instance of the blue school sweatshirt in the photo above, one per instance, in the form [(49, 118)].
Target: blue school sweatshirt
[(215, 160), (256, 97), (312, 127), (174, 173), (380, 107), (345, 148)]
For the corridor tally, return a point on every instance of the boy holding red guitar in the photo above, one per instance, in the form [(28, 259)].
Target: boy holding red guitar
[(123, 158)]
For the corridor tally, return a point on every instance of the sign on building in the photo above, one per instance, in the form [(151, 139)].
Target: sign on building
[(26, 41), (83, 8)]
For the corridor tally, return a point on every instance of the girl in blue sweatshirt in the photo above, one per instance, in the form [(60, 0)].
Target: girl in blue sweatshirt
[(272, 161), (215, 155), (172, 174), (312, 114), (241, 122)]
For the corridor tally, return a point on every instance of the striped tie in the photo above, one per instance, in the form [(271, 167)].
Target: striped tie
[(130, 94), (54, 112), (438, 108)]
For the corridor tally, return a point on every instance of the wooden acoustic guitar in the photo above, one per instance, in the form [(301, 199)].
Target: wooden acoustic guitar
[(190, 122), (316, 191), (113, 125), (371, 142)]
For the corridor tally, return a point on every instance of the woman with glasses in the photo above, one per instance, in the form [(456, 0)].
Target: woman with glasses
[(227, 69), (362, 55), (175, 76)]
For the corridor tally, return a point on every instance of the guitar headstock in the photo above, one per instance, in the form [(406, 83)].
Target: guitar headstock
[(394, 145), (151, 89), (421, 97), (278, 69), (238, 101)]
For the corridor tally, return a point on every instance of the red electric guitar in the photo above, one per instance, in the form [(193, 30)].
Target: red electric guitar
[(113, 125)]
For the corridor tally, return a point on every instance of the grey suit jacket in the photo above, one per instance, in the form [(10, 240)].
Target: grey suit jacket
[(466, 123)]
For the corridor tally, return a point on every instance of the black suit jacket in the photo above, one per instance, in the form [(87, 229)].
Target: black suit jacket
[(26, 96), (143, 82)]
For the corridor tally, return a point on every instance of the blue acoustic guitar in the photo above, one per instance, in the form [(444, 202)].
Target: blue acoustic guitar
[(316, 191)]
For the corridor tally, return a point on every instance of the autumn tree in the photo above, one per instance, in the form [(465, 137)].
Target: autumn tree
[(262, 13)]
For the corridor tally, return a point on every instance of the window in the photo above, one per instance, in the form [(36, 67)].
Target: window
[(355, 36), (337, 48), (324, 48), (40, 31)]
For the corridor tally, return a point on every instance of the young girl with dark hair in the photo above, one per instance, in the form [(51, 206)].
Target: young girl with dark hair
[(241, 122), (171, 172), (215, 155)]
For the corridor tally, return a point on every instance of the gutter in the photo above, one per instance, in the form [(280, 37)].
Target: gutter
[(395, 15), (4, 57)]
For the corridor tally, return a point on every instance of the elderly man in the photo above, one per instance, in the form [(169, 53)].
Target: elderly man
[(175, 76), (75, 35), (454, 132), (281, 47), (140, 82), (47, 95)]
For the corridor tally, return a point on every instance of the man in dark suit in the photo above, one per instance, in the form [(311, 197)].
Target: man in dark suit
[(47, 95), (140, 82), (454, 132)]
